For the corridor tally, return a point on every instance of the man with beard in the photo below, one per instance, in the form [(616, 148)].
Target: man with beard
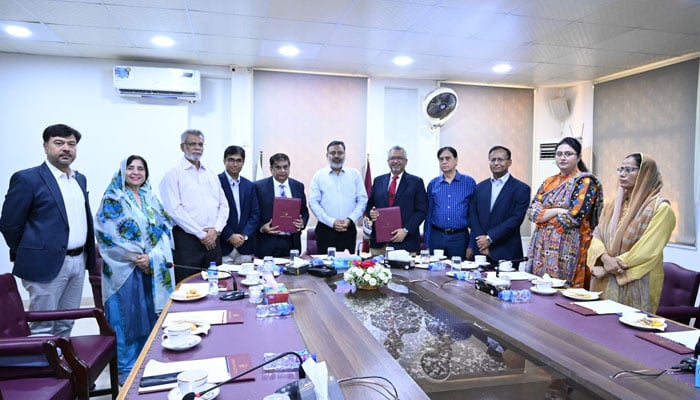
[(47, 223), (193, 197), (338, 198)]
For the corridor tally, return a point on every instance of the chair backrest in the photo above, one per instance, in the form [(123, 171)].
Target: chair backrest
[(311, 247), (678, 294), (95, 278), (13, 320)]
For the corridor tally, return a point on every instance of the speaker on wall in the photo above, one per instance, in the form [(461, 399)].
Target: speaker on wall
[(560, 108)]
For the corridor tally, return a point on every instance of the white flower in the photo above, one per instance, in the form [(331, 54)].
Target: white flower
[(371, 270), (372, 281)]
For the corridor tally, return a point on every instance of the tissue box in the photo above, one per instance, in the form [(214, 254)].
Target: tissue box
[(344, 262), (278, 294)]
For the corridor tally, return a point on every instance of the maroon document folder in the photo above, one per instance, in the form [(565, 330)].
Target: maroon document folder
[(389, 220), (284, 211)]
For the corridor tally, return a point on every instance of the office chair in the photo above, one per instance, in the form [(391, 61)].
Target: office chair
[(678, 294)]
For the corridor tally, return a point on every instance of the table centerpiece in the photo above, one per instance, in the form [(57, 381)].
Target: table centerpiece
[(367, 275)]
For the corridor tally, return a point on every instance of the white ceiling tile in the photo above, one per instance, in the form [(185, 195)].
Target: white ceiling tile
[(539, 52), (519, 29), (329, 11), (259, 8), (40, 32), (227, 59), (288, 30), (92, 35), (384, 14), (565, 10), (268, 48), (454, 21), (142, 39), (70, 13), (579, 34), (683, 21), (9, 10), (638, 40), (342, 53), (634, 13), (233, 45), (152, 19), (371, 38), (227, 24)]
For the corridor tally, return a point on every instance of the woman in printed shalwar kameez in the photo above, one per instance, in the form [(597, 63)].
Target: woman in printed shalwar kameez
[(565, 211), (133, 232)]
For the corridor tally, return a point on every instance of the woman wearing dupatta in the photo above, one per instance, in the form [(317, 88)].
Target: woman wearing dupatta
[(133, 233), (565, 211), (626, 254)]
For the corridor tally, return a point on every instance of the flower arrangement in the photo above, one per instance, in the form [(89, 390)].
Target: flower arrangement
[(367, 274)]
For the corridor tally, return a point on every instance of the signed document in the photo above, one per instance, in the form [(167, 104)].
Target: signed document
[(284, 211), (389, 220)]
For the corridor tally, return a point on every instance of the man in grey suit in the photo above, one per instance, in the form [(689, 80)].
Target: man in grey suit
[(47, 224), (500, 204)]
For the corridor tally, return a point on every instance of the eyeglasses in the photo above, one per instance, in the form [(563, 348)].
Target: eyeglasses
[(281, 167), (194, 144), (396, 158), (626, 170), (235, 160), (498, 159), (565, 154)]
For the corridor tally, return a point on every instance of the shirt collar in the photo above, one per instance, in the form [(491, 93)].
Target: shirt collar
[(503, 179), (186, 164), (57, 173), (231, 180)]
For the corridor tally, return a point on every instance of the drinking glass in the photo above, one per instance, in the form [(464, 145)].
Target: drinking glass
[(456, 262), (425, 256), (331, 252)]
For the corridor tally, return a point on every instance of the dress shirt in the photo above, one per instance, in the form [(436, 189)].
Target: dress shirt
[(398, 181), (337, 196), (74, 201), (235, 189), (448, 203), (194, 199), (496, 186)]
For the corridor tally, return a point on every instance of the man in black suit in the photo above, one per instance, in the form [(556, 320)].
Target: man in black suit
[(499, 209), (237, 239), (269, 240), (406, 191), (47, 224)]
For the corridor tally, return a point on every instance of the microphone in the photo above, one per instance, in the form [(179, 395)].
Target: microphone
[(302, 375)]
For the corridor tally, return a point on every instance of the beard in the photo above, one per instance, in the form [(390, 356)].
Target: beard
[(193, 157), (333, 165)]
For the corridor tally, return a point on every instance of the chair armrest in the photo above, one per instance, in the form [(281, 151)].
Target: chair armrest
[(74, 313), (674, 312), (44, 345)]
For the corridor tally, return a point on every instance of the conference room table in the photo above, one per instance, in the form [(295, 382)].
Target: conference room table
[(585, 350)]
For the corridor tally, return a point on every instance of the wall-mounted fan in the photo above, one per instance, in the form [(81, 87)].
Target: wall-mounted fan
[(439, 105)]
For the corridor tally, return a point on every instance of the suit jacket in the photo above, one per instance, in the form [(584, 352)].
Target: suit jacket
[(250, 215), (35, 224), (265, 191), (502, 223), (411, 198)]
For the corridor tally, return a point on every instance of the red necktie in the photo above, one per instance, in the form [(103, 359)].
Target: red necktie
[(392, 190)]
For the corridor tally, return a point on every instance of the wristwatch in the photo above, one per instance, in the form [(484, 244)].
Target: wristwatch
[(488, 238), (245, 237)]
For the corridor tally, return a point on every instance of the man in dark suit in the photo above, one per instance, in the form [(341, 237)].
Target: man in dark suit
[(238, 236), (269, 240), (499, 209), (403, 190), (47, 224)]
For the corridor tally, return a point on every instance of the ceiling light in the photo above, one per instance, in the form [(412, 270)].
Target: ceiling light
[(18, 31), (162, 41), (289, 50), (501, 68), (402, 61)]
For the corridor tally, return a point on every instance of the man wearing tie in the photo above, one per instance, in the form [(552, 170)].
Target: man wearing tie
[(403, 190), (500, 206), (270, 241), (47, 224), (237, 239)]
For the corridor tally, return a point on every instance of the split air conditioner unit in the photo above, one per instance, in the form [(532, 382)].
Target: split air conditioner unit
[(158, 83)]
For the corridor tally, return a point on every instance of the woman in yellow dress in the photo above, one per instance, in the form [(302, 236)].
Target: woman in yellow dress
[(626, 253)]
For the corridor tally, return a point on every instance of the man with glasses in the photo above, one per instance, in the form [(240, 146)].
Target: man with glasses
[(338, 198), (193, 197), (270, 241), (47, 224), (399, 189), (238, 236), (498, 210)]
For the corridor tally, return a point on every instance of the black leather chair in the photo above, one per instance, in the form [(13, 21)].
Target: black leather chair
[(680, 289)]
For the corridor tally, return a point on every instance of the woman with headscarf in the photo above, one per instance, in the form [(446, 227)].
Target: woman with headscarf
[(133, 232), (565, 211), (626, 254)]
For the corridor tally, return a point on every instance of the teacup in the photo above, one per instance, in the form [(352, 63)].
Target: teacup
[(480, 260), (543, 285), (439, 253), (193, 380), (177, 334), (256, 294), (505, 266), (246, 268)]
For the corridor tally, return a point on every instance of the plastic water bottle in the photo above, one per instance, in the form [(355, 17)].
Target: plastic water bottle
[(213, 278), (437, 266), (287, 363), (268, 266), (273, 310), (515, 296)]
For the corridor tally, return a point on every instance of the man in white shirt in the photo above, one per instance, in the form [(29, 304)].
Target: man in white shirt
[(193, 198), (338, 198)]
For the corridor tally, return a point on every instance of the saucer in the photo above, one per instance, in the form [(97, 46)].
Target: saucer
[(192, 341), (251, 282), (511, 269), (546, 292), (176, 395)]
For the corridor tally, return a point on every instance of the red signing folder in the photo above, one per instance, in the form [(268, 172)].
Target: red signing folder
[(284, 211), (389, 220)]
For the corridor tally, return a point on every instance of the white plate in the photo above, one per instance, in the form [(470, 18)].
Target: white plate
[(581, 294), (230, 267), (180, 296), (222, 275), (192, 341), (469, 265), (277, 260), (511, 269), (176, 395), (252, 282), (635, 320), (556, 283), (546, 292)]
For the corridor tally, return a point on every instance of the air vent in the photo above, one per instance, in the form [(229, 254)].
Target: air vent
[(547, 150)]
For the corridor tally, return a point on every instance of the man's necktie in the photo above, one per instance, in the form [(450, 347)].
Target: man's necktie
[(392, 189), (282, 193)]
